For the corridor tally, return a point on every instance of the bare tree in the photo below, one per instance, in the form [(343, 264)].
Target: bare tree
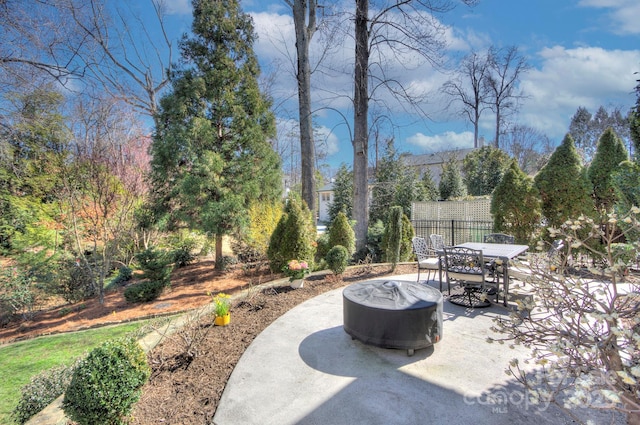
[(506, 66), (304, 19), (89, 43), (530, 147), (391, 30), (103, 185), (469, 87)]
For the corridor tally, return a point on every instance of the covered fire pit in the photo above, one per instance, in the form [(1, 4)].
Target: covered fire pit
[(393, 314)]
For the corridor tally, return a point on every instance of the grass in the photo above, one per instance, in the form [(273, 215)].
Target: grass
[(22, 360)]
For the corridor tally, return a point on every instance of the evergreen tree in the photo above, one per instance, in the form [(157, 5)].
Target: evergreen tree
[(341, 233), (342, 193), (394, 236), (609, 154), (565, 190), (515, 205), (383, 193), (396, 185), (451, 184), (483, 169), (33, 153), (211, 154), (586, 129), (431, 192), (294, 236)]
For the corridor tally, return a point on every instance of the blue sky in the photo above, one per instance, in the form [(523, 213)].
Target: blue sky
[(581, 53)]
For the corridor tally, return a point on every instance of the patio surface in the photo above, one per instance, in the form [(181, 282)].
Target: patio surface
[(305, 369)]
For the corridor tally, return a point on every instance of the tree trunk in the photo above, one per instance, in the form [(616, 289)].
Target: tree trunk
[(304, 33), (360, 122), (497, 140), (219, 262)]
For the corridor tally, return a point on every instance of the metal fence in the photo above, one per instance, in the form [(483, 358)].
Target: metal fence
[(454, 231)]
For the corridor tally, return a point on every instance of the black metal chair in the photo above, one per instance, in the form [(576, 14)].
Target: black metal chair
[(427, 258), (499, 238), (466, 267)]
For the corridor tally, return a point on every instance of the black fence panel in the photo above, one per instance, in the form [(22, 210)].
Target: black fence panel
[(454, 231)]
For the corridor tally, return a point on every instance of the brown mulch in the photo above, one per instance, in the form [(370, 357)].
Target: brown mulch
[(190, 368)]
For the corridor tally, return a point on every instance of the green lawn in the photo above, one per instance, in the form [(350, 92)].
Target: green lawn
[(22, 360)]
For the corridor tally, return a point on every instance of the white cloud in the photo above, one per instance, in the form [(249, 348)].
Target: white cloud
[(446, 141), (328, 140), (623, 14), (570, 78), (178, 7)]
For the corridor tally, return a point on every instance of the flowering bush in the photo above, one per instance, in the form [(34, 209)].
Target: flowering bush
[(296, 269), (222, 303)]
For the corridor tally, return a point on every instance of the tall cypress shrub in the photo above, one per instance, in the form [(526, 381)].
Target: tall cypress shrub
[(516, 205), (394, 236), (341, 233), (610, 153), (294, 236), (565, 190)]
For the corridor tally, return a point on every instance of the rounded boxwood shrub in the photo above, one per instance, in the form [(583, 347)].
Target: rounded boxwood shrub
[(337, 259), (144, 291), (106, 384)]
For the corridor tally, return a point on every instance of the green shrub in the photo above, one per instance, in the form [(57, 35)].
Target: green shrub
[(375, 233), (393, 236), (322, 246), (252, 244), (144, 291), (341, 233), (76, 282), (41, 391), (182, 256), (124, 275), (155, 265), (293, 238), (623, 253), (337, 259), (106, 384), (406, 248), (226, 262)]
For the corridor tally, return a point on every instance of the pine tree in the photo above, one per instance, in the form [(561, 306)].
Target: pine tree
[(483, 168), (431, 192), (342, 193), (451, 184), (564, 188), (384, 190), (211, 154), (515, 205), (396, 185), (610, 152)]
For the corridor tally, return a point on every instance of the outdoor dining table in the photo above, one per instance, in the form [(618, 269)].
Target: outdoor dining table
[(497, 251)]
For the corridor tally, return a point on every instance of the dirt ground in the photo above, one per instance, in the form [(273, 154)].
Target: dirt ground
[(190, 368)]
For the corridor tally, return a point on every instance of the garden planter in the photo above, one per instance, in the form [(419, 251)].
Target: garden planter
[(297, 283), (222, 320)]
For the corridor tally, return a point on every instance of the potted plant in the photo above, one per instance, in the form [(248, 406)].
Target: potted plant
[(222, 303), (296, 270)]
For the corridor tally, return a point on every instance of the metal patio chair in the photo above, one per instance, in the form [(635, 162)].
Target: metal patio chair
[(428, 259), (499, 238), (466, 267)]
